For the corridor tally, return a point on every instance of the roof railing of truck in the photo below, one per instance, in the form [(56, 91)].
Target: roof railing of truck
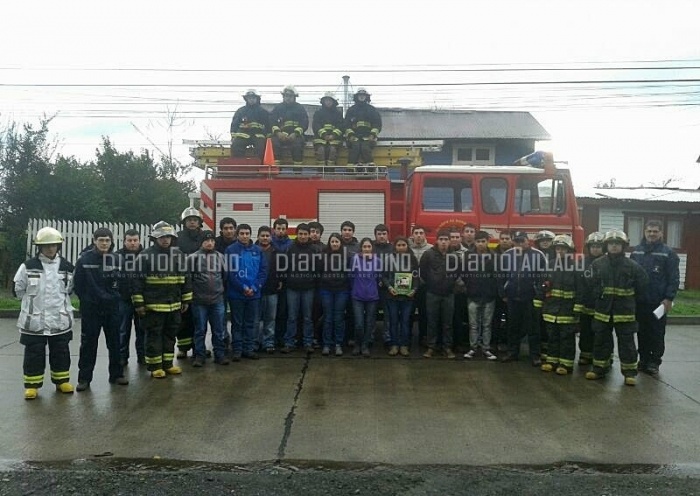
[(332, 172)]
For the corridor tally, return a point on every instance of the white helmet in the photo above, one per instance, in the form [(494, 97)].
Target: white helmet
[(190, 212), (251, 92), (564, 240), (48, 236), (290, 89), (331, 95)]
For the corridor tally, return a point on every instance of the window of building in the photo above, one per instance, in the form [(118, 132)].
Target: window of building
[(474, 155), (447, 195), (494, 192), (672, 227), (540, 196)]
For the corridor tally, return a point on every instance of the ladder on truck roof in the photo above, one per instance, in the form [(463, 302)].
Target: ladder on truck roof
[(242, 167)]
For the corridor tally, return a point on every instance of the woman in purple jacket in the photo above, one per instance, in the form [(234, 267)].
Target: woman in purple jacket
[(365, 272)]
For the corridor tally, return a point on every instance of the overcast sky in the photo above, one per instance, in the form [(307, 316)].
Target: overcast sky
[(616, 83)]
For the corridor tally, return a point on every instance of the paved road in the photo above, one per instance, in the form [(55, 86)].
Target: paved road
[(380, 410)]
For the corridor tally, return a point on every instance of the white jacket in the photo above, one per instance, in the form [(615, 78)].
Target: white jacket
[(44, 285)]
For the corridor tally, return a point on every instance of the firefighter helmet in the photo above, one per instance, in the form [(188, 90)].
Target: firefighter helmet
[(544, 234), (251, 92), (290, 89), (564, 240), (361, 91), (331, 95), (190, 212), (161, 229), (48, 236), (595, 238), (616, 235)]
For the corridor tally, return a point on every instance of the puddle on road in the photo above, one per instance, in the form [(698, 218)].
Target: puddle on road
[(167, 465)]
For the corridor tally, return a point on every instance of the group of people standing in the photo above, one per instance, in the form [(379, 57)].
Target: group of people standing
[(277, 289), (286, 125)]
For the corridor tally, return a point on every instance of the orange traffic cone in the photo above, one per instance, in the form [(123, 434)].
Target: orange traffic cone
[(269, 157)]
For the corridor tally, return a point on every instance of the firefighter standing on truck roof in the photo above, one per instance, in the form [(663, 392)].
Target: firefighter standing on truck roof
[(161, 291), (250, 126), (289, 122), (616, 281), (362, 126), (327, 125)]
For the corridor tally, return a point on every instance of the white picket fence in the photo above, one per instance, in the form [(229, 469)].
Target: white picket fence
[(78, 235)]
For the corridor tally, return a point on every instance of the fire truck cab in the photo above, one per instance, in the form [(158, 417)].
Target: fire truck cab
[(530, 195)]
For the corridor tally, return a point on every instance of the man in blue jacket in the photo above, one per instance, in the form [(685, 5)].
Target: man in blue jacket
[(661, 264), (97, 285), (246, 275)]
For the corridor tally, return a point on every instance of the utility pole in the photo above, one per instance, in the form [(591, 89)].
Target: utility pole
[(346, 94)]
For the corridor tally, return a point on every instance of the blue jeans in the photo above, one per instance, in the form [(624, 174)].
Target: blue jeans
[(268, 316), (126, 316), (244, 316), (480, 318), (365, 316), (401, 312), (215, 314), (334, 303), (304, 300)]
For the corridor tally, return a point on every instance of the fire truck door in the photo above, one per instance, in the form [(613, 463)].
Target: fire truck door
[(365, 210), (247, 207)]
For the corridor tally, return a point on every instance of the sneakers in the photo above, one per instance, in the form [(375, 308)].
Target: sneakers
[(236, 357), (121, 381), (158, 374), (326, 351), (547, 367), (489, 356), (222, 361), (509, 357), (65, 388), (251, 356), (82, 386), (31, 393), (536, 362), (449, 354), (198, 361), (403, 351), (428, 353), (470, 354), (174, 370), (630, 381), (270, 350), (338, 351), (365, 352), (651, 369), (393, 351), (309, 349), (286, 350)]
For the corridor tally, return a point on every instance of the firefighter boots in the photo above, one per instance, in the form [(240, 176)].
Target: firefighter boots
[(31, 393), (65, 388), (173, 370), (158, 374), (547, 367), (630, 380)]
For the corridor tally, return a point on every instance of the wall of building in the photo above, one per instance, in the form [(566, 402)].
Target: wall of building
[(507, 151)]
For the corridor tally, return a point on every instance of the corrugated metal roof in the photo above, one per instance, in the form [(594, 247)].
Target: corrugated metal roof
[(641, 194), (413, 124)]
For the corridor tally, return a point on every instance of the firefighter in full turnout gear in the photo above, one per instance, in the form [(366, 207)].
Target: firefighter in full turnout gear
[(327, 125), (250, 126), (362, 126), (561, 298), (44, 284), (289, 122), (161, 292), (616, 283), (543, 242), (594, 250)]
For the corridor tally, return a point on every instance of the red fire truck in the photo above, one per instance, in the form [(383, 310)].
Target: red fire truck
[(530, 195)]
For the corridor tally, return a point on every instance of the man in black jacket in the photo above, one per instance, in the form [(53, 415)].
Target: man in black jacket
[(127, 316), (96, 282)]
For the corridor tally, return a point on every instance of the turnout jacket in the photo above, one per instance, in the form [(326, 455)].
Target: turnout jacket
[(289, 118), (661, 264), (617, 281), (328, 121), (44, 286), (161, 282), (96, 278), (250, 121), (588, 296), (522, 272), (562, 292), (362, 120)]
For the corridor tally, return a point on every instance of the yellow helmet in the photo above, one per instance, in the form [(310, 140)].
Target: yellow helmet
[(48, 236)]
